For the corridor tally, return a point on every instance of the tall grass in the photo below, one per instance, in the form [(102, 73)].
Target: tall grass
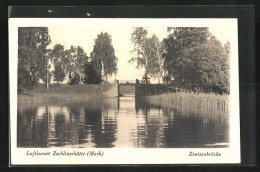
[(189, 103)]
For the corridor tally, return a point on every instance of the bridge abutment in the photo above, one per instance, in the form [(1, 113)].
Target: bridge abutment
[(113, 91)]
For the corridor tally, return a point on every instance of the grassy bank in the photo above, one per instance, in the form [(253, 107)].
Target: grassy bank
[(61, 93), (193, 103)]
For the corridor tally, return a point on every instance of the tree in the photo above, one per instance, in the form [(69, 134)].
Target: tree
[(80, 60), (32, 55), (154, 51), (91, 75), (148, 53), (45, 73), (103, 56), (58, 56), (71, 65), (179, 40), (139, 39), (206, 66), (227, 47), (75, 79), (59, 73), (196, 59), (74, 64)]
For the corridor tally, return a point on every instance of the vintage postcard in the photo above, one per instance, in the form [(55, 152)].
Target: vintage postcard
[(123, 91)]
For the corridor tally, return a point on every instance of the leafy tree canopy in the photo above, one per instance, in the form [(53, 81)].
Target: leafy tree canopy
[(59, 72), (74, 61), (103, 55), (178, 40), (147, 53), (32, 55), (195, 58), (91, 75)]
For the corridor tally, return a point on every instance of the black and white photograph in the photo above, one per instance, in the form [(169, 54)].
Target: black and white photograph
[(119, 84)]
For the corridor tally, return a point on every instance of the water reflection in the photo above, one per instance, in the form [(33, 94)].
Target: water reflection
[(124, 122)]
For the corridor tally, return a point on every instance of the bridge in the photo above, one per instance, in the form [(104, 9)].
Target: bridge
[(131, 87), (127, 87)]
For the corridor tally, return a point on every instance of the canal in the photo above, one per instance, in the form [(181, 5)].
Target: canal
[(124, 122)]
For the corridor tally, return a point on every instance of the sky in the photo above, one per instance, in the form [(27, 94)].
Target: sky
[(85, 36)]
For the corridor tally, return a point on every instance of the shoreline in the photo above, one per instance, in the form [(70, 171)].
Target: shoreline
[(54, 97), (63, 93)]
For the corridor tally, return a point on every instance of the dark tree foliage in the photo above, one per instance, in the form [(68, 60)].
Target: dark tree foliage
[(32, 55), (206, 66), (24, 79), (58, 54), (75, 79), (68, 62), (59, 73), (91, 75), (58, 57), (179, 40), (196, 59)]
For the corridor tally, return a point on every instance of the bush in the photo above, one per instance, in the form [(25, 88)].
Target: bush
[(91, 76), (75, 79)]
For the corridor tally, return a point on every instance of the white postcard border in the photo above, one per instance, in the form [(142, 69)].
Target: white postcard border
[(122, 155)]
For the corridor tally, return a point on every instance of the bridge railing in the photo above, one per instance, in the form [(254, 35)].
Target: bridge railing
[(127, 81)]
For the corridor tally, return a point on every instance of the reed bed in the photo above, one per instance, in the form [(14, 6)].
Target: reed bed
[(189, 103)]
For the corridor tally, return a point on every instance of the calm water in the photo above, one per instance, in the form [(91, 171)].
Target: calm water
[(113, 122)]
